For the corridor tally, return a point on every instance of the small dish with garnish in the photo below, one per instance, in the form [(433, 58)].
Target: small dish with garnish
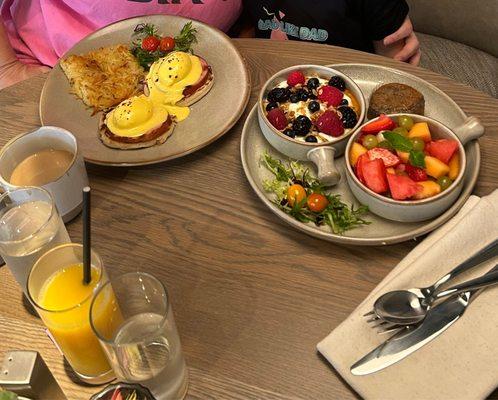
[(307, 112)]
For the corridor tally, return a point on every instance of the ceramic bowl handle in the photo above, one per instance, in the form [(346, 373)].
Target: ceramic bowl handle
[(323, 158), (471, 129)]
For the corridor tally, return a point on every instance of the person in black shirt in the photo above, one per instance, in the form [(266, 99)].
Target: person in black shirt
[(380, 26)]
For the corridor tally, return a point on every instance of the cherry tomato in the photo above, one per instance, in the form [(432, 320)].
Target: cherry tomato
[(150, 43), (317, 202), (295, 194), (167, 44)]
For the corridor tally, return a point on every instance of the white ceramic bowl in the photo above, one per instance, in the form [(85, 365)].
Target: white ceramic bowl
[(321, 154), (416, 210)]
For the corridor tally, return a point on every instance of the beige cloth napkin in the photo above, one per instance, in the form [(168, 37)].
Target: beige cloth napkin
[(462, 363)]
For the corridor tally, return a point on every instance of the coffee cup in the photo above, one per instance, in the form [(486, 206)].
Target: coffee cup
[(47, 157)]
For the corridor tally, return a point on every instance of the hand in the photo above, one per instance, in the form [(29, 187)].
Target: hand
[(410, 52)]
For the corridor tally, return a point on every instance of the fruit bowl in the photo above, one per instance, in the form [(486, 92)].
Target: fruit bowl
[(301, 116), (418, 183)]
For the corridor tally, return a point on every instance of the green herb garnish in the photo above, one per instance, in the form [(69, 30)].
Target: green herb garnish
[(339, 216), (417, 158), (186, 38), (5, 395), (402, 143), (183, 42)]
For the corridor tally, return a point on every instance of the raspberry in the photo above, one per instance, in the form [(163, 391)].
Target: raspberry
[(415, 173), (330, 95), (295, 77), (277, 118), (330, 123)]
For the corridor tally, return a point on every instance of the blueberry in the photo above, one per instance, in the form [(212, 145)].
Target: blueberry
[(348, 117), (290, 133), (311, 139), (338, 83), (312, 96), (278, 95), (303, 95), (344, 102), (301, 125), (271, 106), (313, 83), (294, 98), (314, 106)]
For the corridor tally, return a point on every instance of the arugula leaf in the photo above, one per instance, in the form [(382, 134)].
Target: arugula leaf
[(417, 158), (277, 168), (397, 141)]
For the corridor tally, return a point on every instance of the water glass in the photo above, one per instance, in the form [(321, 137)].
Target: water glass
[(140, 338), (29, 226)]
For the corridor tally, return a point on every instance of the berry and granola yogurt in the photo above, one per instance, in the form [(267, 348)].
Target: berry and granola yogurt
[(312, 109)]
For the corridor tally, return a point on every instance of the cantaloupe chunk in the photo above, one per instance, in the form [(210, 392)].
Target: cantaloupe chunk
[(454, 165), (403, 156), (429, 189), (391, 170), (435, 167), (356, 151), (420, 130)]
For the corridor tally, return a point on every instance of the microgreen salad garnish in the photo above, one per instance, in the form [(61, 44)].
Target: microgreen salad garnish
[(303, 197), (148, 46)]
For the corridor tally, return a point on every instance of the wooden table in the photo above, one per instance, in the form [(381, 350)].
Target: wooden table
[(252, 297)]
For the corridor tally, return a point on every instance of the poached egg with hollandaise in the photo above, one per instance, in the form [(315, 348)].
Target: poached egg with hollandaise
[(165, 86), (169, 76)]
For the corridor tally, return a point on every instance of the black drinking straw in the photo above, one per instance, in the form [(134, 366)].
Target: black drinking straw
[(86, 236)]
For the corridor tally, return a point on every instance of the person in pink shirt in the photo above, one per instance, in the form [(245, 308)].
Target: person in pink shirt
[(36, 33)]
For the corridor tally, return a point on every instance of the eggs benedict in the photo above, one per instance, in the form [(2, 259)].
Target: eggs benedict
[(173, 83), (136, 123), (179, 79)]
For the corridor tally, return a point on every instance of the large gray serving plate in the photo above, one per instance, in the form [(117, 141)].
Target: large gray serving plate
[(210, 118), (381, 231)]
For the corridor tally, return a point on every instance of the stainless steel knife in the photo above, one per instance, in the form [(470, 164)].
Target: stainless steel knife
[(412, 338)]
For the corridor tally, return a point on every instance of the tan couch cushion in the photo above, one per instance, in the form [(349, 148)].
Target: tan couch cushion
[(460, 62), (473, 22)]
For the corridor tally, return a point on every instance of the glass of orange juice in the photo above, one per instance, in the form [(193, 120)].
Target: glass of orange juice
[(56, 288)]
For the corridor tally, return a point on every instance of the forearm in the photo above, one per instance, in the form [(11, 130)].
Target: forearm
[(11, 69)]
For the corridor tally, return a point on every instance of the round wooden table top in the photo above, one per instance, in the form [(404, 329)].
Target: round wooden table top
[(251, 296)]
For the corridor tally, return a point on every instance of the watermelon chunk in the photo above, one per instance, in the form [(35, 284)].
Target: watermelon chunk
[(359, 167), (374, 174), (442, 149), (402, 187), (390, 160)]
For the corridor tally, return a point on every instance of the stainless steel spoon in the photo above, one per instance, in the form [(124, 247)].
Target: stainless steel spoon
[(406, 307)]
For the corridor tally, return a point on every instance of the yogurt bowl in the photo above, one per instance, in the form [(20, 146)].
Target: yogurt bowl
[(405, 192), (308, 112)]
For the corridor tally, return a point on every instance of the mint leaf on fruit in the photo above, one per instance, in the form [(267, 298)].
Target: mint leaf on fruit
[(417, 158), (397, 141)]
